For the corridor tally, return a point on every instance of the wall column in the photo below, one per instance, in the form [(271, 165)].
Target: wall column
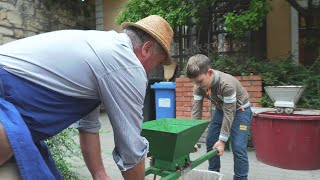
[(99, 15), (279, 30), (295, 35)]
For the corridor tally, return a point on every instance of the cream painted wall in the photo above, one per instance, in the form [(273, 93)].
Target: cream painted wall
[(279, 29), (111, 10)]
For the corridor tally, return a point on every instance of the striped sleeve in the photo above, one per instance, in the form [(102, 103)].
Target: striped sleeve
[(123, 92), (230, 99), (91, 122)]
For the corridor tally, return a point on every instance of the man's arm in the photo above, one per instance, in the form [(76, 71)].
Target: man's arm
[(136, 173), (91, 151), (89, 127), (122, 93)]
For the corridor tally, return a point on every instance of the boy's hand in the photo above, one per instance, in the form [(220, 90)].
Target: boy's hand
[(196, 148), (220, 146)]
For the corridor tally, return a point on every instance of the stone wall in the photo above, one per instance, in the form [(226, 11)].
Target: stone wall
[(184, 95), (23, 18)]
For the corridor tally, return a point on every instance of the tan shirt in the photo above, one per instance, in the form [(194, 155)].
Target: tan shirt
[(227, 94)]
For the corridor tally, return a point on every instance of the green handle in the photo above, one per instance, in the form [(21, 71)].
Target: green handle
[(204, 157), (169, 175)]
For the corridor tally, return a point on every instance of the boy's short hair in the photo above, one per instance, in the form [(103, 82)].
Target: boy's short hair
[(197, 65)]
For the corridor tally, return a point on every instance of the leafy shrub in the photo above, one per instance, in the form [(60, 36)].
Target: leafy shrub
[(64, 148), (251, 19), (237, 65), (276, 72), (175, 12)]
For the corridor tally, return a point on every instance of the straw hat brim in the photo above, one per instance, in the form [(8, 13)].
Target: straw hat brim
[(168, 70), (167, 61)]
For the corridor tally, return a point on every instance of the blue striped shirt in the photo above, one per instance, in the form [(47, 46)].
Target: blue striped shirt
[(90, 65)]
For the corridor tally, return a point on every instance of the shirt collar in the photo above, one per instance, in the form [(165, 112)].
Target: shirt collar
[(126, 39), (216, 78)]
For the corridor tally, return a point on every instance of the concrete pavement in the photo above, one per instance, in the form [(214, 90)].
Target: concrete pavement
[(257, 169)]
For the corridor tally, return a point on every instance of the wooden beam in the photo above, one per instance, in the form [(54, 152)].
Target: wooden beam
[(302, 11)]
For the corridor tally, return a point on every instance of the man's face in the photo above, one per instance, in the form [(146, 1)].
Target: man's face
[(155, 60), (151, 57), (204, 80)]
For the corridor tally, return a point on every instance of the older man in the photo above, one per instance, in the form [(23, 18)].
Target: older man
[(52, 80)]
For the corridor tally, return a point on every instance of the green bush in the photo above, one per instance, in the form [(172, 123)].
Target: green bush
[(176, 12), (64, 148), (237, 65), (251, 19), (275, 73)]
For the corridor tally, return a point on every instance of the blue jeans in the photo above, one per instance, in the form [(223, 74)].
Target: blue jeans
[(239, 139)]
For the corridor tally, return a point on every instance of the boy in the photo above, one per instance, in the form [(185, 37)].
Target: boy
[(232, 114)]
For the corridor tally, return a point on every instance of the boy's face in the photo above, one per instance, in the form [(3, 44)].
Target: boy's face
[(204, 80)]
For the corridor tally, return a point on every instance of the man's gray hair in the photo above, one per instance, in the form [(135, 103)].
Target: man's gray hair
[(139, 37), (197, 65)]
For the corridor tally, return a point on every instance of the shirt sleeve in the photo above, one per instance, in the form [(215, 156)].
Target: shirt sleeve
[(197, 104), (122, 92), (229, 110), (91, 122)]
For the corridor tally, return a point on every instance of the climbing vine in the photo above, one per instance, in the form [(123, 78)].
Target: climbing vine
[(251, 19), (237, 21), (176, 12)]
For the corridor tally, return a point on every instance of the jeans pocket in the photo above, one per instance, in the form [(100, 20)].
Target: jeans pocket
[(245, 120)]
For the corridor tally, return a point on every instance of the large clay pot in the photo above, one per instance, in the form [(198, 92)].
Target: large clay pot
[(287, 141)]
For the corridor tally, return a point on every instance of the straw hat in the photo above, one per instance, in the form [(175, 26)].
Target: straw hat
[(168, 70), (158, 28)]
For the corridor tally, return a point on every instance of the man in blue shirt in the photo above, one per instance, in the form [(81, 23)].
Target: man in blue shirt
[(52, 80)]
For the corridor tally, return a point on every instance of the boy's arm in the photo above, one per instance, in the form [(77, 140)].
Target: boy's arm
[(229, 110), (196, 112)]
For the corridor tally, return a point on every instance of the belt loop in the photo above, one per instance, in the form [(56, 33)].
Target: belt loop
[(244, 106), (1, 90), (1, 85)]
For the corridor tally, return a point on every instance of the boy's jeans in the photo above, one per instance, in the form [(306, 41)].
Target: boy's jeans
[(239, 138)]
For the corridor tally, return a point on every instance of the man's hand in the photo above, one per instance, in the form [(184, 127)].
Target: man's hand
[(220, 146)]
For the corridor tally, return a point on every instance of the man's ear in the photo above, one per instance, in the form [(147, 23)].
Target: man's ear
[(147, 48), (210, 72)]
